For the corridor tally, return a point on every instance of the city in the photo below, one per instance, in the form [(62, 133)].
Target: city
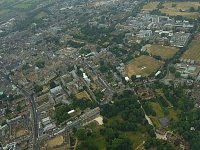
[(99, 75)]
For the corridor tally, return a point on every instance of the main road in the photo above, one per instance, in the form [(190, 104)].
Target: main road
[(31, 99)]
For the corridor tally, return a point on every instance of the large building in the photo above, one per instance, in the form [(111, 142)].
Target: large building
[(180, 39)]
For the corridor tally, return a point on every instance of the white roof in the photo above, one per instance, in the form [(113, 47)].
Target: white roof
[(157, 73), (127, 78), (46, 119), (71, 111)]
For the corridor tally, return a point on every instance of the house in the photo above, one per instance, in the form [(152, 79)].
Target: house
[(145, 34), (56, 91), (46, 121)]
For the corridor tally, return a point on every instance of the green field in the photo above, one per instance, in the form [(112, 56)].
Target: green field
[(137, 137), (165, 52), (23, 6), (173, 114), (157, 108), (41, 15), (4, 11), (150, 6), (181, 8), (98, 140), (193, 51)]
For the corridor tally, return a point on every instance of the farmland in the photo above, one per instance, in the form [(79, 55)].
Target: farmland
[(180, 8), (165, 52), (143, 65), (193, 52)]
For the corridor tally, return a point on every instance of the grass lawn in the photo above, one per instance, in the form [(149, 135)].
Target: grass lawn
[(136, 137), (156, 122), (184, 6), (4, 11), (113, 119), (158, 109), (23, 6), (41, 15), (143, 65), (98, 140), (165, 52), (173, 114), (193, 52), (150, 6)]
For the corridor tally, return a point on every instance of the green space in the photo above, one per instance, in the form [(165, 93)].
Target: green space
[(4, 11), (41, 15), (164, 52), (156, 122), (173, 114), (157, 108), (185, 9), (136, 137), (61, 113), (143, 65), (23, 6), (193, 51), (150, 6)]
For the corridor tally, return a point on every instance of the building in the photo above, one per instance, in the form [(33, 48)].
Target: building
[(180, 39), (145, 34), (56, 91)]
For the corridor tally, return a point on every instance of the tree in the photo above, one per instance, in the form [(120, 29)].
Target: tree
[(61, 113), (192, 9), (85, 145), (133, 78), (81, 134), (52, 85), (40, 64), (177, 74), (172, 69), (174, 5), (37, 88), (19, 108), (120, 144)]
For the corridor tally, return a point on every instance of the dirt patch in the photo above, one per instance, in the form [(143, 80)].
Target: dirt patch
[(83, 95), (20, 131), (56, 141)]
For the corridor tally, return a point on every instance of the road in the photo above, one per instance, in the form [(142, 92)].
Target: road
[(31, 99)]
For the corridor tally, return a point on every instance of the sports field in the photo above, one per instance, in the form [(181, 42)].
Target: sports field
[(165, 52), (143, 65), (193, 51)]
